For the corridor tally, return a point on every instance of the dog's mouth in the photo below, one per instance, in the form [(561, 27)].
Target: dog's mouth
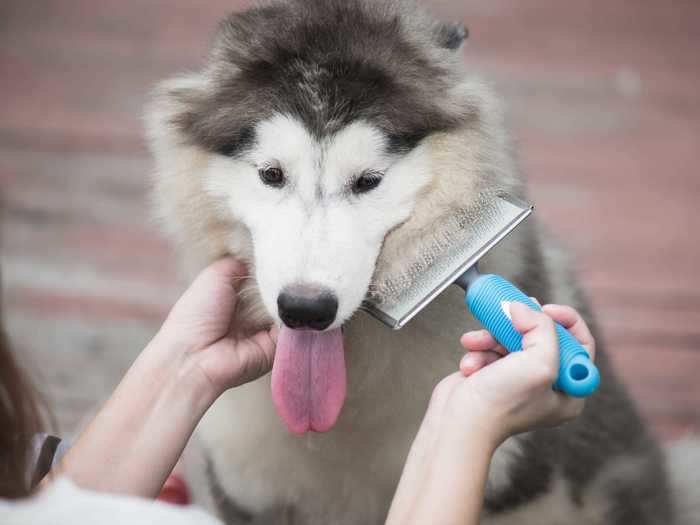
[(309, 378)]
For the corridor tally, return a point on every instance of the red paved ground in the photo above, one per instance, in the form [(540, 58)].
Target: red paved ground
[(605, 106)]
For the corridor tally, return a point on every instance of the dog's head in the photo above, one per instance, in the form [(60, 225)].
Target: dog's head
[(323, 140), (314, 129)]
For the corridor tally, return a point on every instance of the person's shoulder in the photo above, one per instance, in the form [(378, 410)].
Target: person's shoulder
[(63, 502)]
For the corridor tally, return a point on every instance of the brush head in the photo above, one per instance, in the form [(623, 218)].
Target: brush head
[(466, 238)]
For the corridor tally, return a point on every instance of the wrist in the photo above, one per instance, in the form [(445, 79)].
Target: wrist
[(188, 390), (475, 421), (182, 376), (474, 438)]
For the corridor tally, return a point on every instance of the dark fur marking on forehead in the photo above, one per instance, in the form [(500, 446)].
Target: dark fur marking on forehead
[(233, 145), (214, 124), (398, 144), (327, 63)]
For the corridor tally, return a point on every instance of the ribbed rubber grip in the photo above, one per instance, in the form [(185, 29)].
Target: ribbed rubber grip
[(578, 376)]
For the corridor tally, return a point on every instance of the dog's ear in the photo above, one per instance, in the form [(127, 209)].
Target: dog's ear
[(170, 106), (451, 35)]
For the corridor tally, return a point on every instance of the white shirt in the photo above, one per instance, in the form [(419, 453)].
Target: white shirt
[(63, 502)]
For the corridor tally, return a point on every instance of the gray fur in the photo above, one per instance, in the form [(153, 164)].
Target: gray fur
[(226, 507), (683, 459), (277, 58), (233, 514), (329, 62)]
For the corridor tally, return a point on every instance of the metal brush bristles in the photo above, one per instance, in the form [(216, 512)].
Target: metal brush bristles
[(454, 231), (460, 242)]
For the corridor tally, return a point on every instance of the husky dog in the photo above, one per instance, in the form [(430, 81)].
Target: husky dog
[(325, 142)]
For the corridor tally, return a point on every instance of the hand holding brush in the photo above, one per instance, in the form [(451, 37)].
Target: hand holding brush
[(495, 395)]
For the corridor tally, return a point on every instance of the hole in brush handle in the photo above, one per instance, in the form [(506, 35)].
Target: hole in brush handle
[(578, 376), (578, 372)]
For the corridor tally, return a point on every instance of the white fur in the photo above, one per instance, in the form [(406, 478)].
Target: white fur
[(683, 461), (314, 229)]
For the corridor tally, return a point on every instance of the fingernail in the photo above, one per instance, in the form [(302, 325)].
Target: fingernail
[(467, 362), (524, 311), (505, 306)]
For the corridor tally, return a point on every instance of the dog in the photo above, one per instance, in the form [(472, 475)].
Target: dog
[(323, 143)]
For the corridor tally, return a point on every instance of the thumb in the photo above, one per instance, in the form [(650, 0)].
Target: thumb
[(537, 329), (210, 300), (227, 268), (219, 277)]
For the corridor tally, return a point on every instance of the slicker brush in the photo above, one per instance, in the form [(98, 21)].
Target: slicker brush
[(451, 258)]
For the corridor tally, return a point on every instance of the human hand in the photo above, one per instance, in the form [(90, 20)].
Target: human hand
[(135, 440), (201, 331), (516, 388), (471, 412)]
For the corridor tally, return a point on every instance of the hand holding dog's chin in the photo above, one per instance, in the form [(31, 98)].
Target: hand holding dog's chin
[(135, 440), (198, 339)]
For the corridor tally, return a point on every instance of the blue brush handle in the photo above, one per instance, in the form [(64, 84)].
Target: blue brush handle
[(578, 376)]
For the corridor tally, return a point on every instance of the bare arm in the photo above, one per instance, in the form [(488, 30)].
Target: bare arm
[(445, 474), (473, 411), (133, 443)]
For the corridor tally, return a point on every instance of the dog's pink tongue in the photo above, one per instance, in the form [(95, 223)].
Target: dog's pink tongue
[(308, 379)]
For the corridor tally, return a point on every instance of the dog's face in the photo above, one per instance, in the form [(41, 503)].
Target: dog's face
[(312, 141), (318, 209)]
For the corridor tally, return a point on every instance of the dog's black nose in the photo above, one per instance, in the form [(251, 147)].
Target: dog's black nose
[(307, 306)]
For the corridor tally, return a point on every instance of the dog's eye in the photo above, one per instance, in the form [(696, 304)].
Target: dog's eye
[(272, 177), (366, 182)]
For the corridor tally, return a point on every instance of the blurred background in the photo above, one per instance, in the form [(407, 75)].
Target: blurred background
[(604, 100)]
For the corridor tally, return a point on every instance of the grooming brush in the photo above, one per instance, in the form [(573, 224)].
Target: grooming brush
[(452, 259)]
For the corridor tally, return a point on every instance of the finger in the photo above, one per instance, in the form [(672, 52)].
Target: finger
[(219, 273), (534, 299), (570, 319), (210, 292), (274, 333), (537, 329), (266, 341), (231, 269), (571, 407), (255, 357), (481, 340), (475, 361), (227, 270), (564, 407)]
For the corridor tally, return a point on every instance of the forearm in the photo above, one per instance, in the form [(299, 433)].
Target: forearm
[(444, 479), (453, 491), (133, 443)]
